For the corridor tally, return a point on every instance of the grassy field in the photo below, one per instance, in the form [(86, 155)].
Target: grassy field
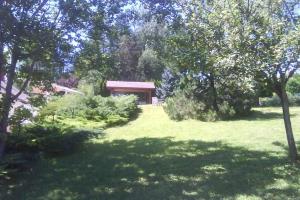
[(153, 157)]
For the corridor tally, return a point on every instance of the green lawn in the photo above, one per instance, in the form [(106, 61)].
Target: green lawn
[(153, 157)]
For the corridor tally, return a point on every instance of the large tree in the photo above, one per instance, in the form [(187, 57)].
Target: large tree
[(260, 39), (34, 35)]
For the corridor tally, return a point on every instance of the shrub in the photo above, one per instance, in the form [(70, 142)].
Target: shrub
[(180, 107), (294, 100), (68, 80), (37, 100), (184, 105), (226, 111), (48, 138), (114, 120), (293, 85), (94, 108), (20, 115)]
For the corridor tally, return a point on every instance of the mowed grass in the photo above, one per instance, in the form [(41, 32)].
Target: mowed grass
[(153, 157)]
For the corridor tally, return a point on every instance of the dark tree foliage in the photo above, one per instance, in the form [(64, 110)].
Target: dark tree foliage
[(169, 82), (68, 80)]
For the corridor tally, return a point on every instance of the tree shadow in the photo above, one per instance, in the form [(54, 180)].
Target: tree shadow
[(259, 115), (152, 168), (285, 147)]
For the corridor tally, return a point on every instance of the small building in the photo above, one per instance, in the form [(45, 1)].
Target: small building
[(144, 90)]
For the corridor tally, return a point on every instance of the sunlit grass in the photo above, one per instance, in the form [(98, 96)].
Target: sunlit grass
[(258, 132), (155, 158)]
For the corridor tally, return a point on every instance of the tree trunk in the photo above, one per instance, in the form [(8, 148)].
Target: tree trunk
[(1, 62), (214, 93), (287, 123), (6, 104)]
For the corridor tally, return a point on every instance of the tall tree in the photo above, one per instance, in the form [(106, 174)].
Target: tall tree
[(35, 34), (278, 54), (260, 38)]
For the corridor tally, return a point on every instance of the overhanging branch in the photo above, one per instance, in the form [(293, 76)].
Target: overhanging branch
[(25, 83)]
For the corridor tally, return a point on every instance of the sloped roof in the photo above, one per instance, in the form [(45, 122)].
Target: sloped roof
[(55, 88), (128, 84), (23, 97)]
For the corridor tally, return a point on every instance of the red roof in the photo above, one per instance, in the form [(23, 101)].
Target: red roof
[(127, 84)]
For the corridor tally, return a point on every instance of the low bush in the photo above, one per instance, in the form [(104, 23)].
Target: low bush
[(112, 110), (294, 100), (179, 107), (48, 138), (40, 139), (183, 106), (293, 85)]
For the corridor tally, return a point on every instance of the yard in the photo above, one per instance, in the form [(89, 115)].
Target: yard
[(153, 157)]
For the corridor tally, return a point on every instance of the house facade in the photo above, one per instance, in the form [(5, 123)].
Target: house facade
[(144, 90)]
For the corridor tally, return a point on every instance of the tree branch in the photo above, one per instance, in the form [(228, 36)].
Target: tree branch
[(39, 8), (25, 83), (291, 14)]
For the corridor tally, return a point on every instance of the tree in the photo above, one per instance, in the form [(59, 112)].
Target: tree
[(277, 50), (128, 56), (149, 66), (36, 34), (262, 38), (98, 49), (245, 40), (168, 84), (94, 83)]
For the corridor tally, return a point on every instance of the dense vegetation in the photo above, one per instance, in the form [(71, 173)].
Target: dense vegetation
[(154, 157), (108, 110), (61, 127), (211, 60)]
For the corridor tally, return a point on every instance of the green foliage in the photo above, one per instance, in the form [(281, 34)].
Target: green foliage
[(48, 138), (150, 66), (293, 85), (180, 107), (294, 100), (111, 110), (223, 100), (20, 115), (49, 110), (93, 83), (240, 96), (37, 100), (201, 157)]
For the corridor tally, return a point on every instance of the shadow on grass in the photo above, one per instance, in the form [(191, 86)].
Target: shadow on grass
[(285, 147), (259, 115), (151, 168)]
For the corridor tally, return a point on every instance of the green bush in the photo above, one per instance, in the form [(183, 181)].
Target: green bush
[(226, 111), (293, 85), (114, 120), (112, 110), (48, 138), (20, 115), (294, 100), (179, 107)]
